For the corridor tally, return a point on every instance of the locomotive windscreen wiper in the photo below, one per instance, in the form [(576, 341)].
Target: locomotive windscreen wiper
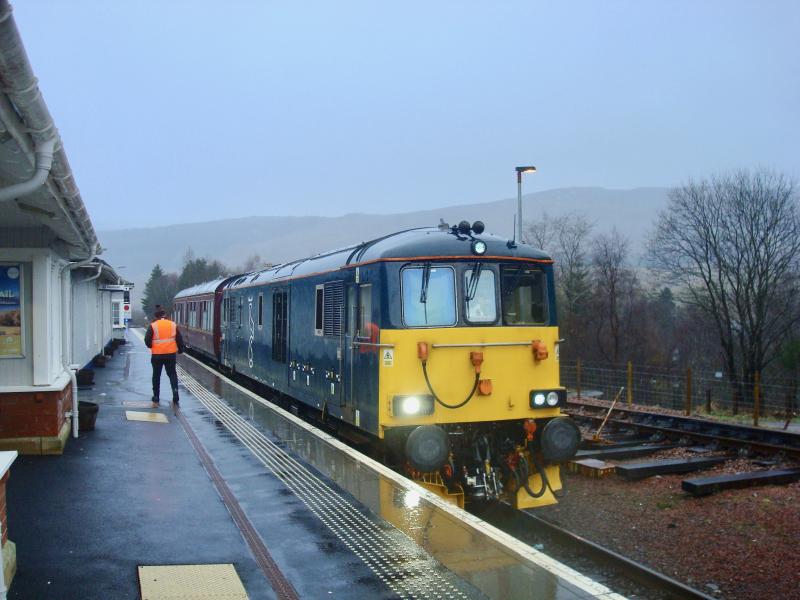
[(426, 277), (472, 286)]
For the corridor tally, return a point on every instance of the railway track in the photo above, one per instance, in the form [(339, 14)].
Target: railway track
[(622, 574), (723, 435)]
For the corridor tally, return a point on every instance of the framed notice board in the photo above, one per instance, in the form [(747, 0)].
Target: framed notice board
[(12, 335)]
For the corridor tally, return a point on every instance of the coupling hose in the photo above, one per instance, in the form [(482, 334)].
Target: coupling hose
[(430, 387)]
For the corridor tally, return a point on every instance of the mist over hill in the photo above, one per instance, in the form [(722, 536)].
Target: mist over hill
[(279, 239)]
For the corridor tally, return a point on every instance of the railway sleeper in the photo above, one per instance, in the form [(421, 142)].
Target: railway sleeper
[(703, 486)]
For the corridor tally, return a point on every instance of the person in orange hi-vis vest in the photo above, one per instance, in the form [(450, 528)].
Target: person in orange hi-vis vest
[(165, 343)]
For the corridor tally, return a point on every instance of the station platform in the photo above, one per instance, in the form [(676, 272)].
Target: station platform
[(231, 480)]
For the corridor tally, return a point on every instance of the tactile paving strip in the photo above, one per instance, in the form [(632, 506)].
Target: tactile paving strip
[(191, 582), (150, 417), (393, 557)]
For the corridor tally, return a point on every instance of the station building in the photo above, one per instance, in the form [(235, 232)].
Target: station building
[(60, 305)]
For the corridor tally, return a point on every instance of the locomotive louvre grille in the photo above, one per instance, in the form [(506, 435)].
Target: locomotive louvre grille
[(333, 308)]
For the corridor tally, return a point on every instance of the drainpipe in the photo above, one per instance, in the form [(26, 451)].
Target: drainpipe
[(96, 275), (44, 162), (73, 369)]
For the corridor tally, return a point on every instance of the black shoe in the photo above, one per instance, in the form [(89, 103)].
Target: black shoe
[(155, 401), (176, 401)]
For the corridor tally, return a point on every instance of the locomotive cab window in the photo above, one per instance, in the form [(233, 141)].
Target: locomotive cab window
[(524, 296), (429, 296), (479, 295)]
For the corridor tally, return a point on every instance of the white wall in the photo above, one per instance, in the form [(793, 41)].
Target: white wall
[(87, 314)]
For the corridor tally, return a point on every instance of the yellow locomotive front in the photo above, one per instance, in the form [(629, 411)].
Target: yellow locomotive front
[(469, 394)]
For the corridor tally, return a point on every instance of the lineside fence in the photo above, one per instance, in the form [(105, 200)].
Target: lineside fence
[(691, 391)]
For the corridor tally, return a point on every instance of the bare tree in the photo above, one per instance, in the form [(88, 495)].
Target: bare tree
[(543, 233), (731, 245), (615, 295), (567, 238), (573, 265), (254, 262)]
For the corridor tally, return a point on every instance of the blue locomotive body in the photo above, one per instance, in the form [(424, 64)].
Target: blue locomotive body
[(388, 336)]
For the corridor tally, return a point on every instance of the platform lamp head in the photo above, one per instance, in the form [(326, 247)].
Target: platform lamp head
[(520, 171)]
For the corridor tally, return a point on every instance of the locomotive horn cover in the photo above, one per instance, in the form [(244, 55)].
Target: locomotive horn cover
[(427, 448), (559, 439)]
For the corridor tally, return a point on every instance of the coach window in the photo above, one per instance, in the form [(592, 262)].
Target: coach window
[(318, 309), (429, 296), (479, 295), (260, 311), (524, 294)]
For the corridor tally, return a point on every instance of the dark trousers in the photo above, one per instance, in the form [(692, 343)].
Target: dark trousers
[(167, 361)]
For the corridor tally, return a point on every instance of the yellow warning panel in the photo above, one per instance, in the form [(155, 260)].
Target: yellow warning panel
[(150, 417), (191, 582)]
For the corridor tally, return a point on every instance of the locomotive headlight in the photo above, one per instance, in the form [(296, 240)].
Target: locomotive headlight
[(478, 247), (412, 405), (547, 398)]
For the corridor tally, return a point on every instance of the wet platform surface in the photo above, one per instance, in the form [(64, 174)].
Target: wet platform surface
[(135, 493)]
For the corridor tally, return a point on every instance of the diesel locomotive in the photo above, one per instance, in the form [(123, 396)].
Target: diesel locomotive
[(440, 344)]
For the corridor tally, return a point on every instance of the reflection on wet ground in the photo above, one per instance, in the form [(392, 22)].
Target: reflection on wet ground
[(413, 544)]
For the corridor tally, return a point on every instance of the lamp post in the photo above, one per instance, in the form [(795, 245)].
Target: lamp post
[(520, 171)]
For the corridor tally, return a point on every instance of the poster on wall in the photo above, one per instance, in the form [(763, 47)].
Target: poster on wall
[(11, 311)]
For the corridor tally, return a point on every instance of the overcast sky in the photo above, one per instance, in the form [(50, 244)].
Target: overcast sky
[(191, 111)]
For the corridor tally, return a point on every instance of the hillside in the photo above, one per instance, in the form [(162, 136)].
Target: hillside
[(278, 239)]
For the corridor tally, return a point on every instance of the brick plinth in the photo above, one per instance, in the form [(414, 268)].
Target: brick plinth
[(31, 421), (3, 515), (8, 553)]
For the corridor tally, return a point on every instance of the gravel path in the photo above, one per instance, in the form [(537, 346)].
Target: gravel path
[(736, 544)]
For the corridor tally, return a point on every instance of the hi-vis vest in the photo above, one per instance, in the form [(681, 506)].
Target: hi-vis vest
[(164, 334)]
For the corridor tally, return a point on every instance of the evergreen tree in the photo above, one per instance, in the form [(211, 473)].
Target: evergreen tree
[(199, 270), (160, 289)]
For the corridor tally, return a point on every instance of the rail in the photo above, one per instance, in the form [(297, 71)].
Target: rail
[(768, 441)]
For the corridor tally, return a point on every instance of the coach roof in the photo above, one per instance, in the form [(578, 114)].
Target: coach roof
[(413, 244), (209, 287)]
